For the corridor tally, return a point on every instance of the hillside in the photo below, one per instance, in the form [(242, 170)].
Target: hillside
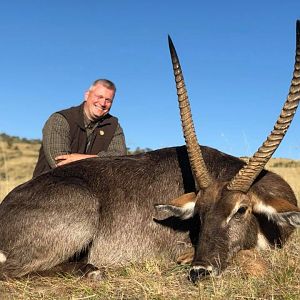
[(17, 160)]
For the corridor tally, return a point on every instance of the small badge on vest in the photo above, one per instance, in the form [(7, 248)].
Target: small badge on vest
[(101, 132)]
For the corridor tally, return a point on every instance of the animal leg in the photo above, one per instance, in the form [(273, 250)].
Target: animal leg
[(251, 263), (186, 257)]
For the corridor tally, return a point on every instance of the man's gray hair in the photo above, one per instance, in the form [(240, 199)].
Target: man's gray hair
[(105, 82)]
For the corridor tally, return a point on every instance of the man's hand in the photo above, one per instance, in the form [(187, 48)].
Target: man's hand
[(67, 158)]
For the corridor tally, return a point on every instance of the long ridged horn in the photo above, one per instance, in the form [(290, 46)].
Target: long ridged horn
[(246, 176), (194, 152)]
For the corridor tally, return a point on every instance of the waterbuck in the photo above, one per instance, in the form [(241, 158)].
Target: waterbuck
[(104, 207)]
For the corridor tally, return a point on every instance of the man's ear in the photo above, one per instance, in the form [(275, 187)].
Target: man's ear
[(280, 211), (182, 207), (86, 94)]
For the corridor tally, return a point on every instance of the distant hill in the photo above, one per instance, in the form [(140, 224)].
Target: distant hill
[(15, 139)]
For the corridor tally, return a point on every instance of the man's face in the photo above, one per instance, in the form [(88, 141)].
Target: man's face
[(98, 101)]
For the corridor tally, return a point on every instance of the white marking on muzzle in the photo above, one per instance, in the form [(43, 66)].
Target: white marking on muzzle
[(208, 268)]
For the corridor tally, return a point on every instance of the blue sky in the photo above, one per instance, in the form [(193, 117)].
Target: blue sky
[(237, 58)]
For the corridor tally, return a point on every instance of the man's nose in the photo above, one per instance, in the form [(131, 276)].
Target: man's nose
[(103, 102)]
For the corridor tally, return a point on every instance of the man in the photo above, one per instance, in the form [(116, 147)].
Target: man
[(83, 131)]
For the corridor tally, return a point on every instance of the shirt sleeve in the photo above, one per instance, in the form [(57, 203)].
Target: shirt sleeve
[(117, 145), (56, 138)]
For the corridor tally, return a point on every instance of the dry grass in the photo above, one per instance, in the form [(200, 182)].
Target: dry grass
[(16, 164), (289, 170), (155, 279), (165, 280)]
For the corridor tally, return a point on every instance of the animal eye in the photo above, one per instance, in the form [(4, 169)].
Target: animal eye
[(241, 210)]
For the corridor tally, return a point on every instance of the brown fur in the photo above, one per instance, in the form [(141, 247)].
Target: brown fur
[(184, 199), (251, 263)]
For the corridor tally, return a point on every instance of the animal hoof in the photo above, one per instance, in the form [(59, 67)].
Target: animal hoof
[(95, 275), (92, 272)]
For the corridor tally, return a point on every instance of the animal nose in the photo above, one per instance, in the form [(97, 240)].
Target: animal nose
[(199, 272)]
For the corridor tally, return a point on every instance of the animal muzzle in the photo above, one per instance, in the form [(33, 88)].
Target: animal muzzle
[(198, 272)]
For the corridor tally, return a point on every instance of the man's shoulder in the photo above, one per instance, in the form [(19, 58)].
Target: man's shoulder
[(110, 116), (109, 119), (56, 117), (74, 115), (71, 110), (56, 121)]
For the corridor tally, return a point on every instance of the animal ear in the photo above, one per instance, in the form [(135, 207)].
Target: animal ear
[(182, 207), (279, 210)]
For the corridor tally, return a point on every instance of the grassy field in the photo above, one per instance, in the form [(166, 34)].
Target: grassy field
[(155, 279)]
